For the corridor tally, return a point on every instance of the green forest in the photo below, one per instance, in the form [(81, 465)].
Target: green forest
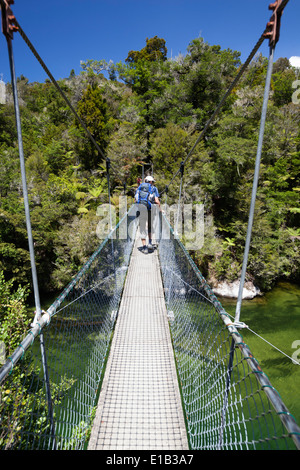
[(149, 109)]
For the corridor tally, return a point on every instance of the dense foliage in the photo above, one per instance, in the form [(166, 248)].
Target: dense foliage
[(150, 109)]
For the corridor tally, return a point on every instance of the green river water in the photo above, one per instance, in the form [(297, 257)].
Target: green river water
[(275, 317)]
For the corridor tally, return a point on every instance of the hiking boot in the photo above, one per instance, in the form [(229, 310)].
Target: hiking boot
[(143, 249), (150, 248)]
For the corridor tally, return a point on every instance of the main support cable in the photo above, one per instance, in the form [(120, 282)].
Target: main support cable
[(42, 63), (268, 33), (225, 96)]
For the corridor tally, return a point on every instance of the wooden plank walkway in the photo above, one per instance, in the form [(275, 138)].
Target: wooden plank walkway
[(139, 405)]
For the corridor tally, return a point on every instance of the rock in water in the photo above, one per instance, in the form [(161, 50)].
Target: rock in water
[(231, 290)]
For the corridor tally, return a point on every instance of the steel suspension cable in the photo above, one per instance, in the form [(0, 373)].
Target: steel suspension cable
[(255, 182), (38, 311), (37, 56), (24, 181), (248, 238), (220, 105), (229, 90)]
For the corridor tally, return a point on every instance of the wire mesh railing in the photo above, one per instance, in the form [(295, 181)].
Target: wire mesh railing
[(228, 400), (48, 400)]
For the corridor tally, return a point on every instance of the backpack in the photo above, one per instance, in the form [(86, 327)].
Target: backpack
[(145, 195)]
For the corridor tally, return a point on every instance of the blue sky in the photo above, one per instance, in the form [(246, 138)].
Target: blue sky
[(64, 32)]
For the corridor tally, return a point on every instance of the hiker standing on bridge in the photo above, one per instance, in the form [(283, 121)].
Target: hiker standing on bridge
[(147, 197)]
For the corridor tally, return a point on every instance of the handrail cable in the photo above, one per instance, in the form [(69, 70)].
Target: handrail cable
[(45, 318)]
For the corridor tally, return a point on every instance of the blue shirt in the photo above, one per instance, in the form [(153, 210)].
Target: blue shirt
[(155, 191)]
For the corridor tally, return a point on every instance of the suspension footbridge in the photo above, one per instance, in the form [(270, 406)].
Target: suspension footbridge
[(137, 352), (108, 320)]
